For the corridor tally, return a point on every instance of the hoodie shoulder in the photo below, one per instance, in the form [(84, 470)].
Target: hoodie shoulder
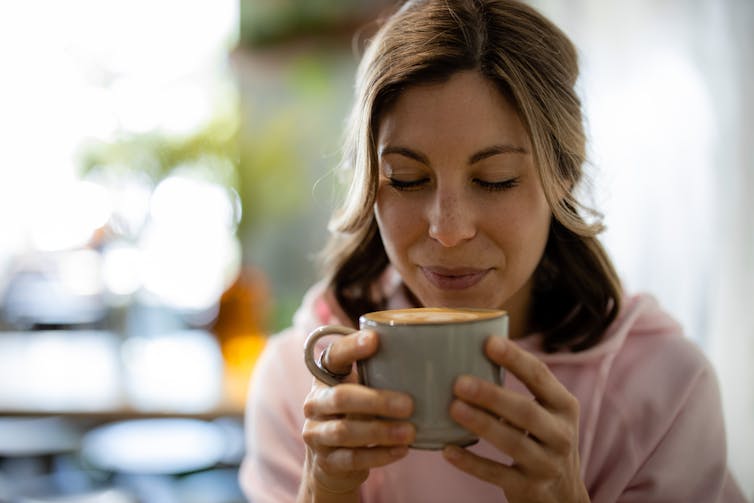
[(655, 394), (654, 354), (654, 373), (661, 408)]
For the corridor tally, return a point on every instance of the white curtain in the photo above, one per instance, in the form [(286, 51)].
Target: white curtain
[(668, 90)]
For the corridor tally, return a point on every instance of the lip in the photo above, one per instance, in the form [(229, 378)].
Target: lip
[(457, 278)]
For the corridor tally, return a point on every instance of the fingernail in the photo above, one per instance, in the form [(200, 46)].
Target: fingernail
[(401, 432), (452, 452), (466, 385), (363, 339), (399, 405), (461, 410), (398, 451), (499, 344)]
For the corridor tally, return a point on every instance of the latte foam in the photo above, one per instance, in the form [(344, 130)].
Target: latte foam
[(431, 315)]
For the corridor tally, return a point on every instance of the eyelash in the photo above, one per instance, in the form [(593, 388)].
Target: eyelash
[(488, 186), (497, 186), (410, 185)]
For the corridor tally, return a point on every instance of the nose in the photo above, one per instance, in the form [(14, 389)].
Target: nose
[(451, 219)]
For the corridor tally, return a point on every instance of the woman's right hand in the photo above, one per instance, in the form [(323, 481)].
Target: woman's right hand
[(350, 428)]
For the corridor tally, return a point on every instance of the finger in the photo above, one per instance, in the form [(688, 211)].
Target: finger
[(346, 460), (482, 468), (515, 443), (350, 398), (346, 350), (532, 372), (518, 410), (348, 432)]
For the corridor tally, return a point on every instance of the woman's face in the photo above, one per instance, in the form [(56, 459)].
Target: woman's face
[(460, 206)]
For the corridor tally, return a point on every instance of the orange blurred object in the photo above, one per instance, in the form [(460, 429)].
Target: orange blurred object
[(241, 330)]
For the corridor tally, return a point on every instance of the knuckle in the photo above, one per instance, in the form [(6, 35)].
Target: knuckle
[(566, 439), (485, 424), (517, 445), (313, 401), (338, 396), (540, 374), (338, 431), (573, 407), (487, 392), (310, 406), (562, 443), (529, 413), (309, 433)]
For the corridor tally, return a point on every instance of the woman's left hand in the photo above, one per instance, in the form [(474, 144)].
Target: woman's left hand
[(541, 435)]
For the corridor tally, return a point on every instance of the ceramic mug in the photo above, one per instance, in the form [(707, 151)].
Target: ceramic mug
[(421, 352)]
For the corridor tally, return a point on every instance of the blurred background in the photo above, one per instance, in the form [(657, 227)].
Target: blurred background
[(166, 175)]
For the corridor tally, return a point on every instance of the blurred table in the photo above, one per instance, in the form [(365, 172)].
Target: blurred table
[(89, 415), (155, 460)]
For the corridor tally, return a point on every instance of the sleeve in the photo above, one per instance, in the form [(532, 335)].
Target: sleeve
[(689, 463), (271, 469)]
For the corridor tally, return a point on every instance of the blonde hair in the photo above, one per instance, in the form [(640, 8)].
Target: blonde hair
[(535, 65)]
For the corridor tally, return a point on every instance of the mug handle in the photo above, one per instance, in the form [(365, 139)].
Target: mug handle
[(316, 367)]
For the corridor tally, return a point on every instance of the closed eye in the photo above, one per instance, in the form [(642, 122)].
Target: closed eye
[(497, 186), (407, 184)]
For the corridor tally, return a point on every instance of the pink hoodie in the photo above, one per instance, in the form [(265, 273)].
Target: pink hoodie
[(651, 426)]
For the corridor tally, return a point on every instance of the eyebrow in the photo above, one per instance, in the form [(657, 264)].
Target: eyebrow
[(406, 152), (474, 158), (496, 150)]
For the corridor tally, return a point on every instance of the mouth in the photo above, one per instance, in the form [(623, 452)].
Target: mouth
[(454, 278)]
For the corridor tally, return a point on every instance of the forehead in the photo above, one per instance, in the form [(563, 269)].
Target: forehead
[(466, 109)]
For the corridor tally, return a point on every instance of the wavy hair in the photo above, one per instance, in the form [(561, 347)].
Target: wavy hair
[(577, 292)]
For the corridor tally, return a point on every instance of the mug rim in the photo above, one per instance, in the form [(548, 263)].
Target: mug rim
[(493, 314)]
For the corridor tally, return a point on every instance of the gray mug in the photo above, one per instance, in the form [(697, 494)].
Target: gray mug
[(421, 352)]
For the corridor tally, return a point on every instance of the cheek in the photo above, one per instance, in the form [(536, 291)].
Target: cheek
[(536, 227), (398, 222), (524, 225)]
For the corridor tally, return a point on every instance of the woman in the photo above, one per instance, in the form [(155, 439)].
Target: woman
[(466, 148)]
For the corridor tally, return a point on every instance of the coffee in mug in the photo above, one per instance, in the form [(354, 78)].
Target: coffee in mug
[(421, 352)]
